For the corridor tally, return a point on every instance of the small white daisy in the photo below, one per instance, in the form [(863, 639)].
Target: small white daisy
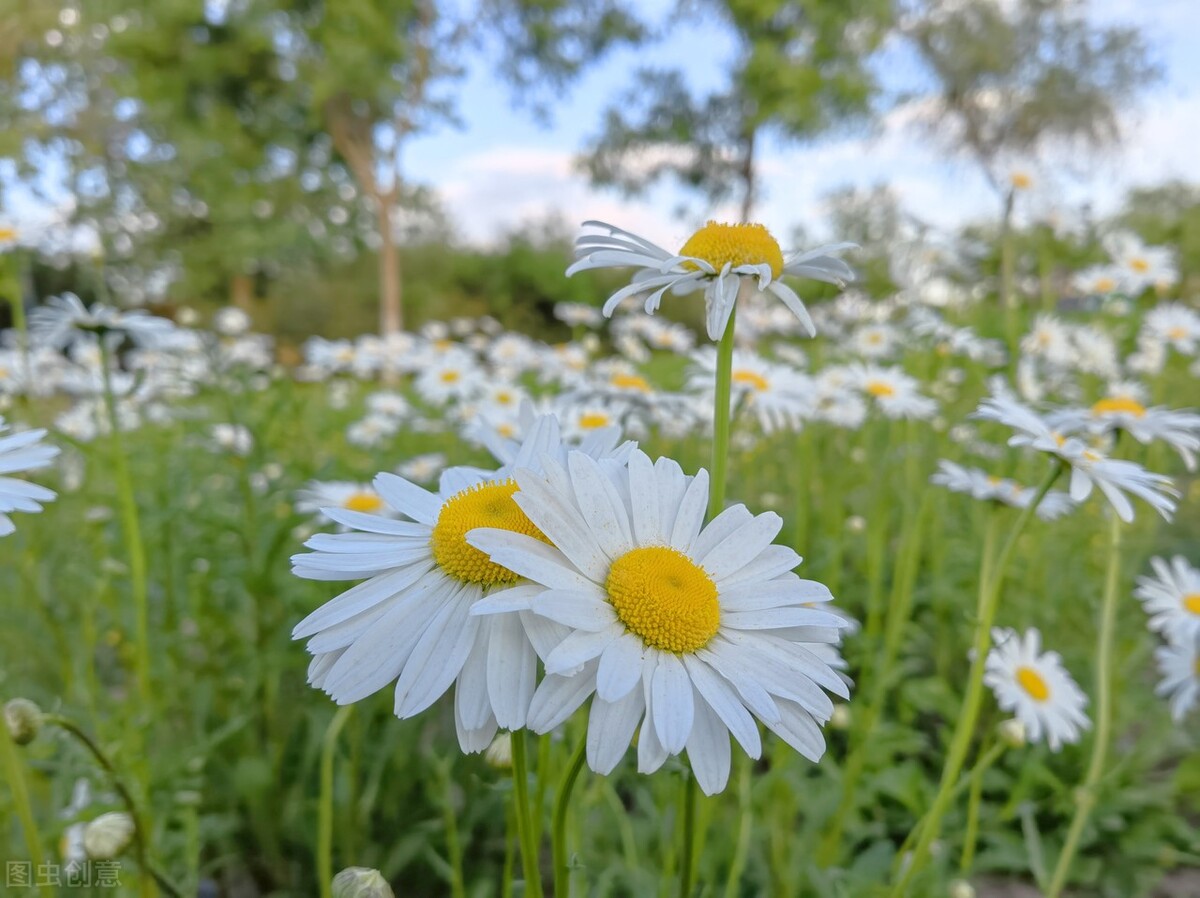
[(64, 318), (1172, 598), (1035, 687), (318, 495), (989, 488), (1179, 664), (22, 451), (717, 259), (696, 629)]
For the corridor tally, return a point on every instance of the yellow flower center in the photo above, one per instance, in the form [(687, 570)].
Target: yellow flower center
[(750, 379), (593, 420), (880, 389), (1105, 285), (630, 382), (450, 377), (1033, 683), (363, 501), (1191, 602), (7, 234), (1176, 333), (1021, 181), (504, 398), (736, 244), (665, 598), (1141, 266), (443, 344), (506, 430), (1117, 404), (489, 504)]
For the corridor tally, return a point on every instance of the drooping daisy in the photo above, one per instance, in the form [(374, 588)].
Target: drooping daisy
[(318, 495), (1172, 598), (989, 488), (1179, 664), (409, 621), (691, 630), (1089, 468), (63, 318), (1035, 687), (22, 451), (717, 259)]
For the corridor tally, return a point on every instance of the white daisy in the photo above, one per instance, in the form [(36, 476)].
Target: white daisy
[(894, 391), (989, 488), (1172, 598), (63, 318), (1179, 664), (696, 629), (1179, 429), (1035, 687), (1089, 467), (232, 438), (717, 259), (318, 495), (1173, 324), (409, 622), (422, 468), (778, 396), (23, 451)]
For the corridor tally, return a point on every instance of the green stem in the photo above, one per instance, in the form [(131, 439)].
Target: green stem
[(964, 728), (325, 806), (745, 826), (1085, 795), (687, 862), (132, 528), (558, 836), (141, 839), (721, 410), (974, 800), (20, 793), (529, 850)]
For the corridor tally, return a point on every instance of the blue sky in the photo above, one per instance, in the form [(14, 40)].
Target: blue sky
[(504, 169)]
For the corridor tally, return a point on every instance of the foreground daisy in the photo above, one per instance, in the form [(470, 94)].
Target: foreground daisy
[(717, 259), (409, 622), (1172, 599), (1035, 687), (22, 452), (695, 630)]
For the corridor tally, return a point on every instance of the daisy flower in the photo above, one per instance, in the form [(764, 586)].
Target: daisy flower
[(778, 396), (318, 495), (409, 621), (989, 488), (1035, 687), (1179, 664), (1172, 598), (1174, 324), (232, 438), (1089, 468), (63, 318), (23, 451), (1123, 411), (717, 259), (894, 392), (692, 631), (422, 468)]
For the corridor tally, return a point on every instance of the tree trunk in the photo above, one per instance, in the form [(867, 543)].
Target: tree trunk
[(241, 292), (391, 313)]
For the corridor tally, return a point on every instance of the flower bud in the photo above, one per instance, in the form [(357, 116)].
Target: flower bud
[(1012, 733), (23, 719), (499, 753), (960, 888), (840, 719), (108, 835), (361, 882)]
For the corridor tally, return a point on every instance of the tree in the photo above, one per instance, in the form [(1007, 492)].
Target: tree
[(1012, 78), (800, 70)]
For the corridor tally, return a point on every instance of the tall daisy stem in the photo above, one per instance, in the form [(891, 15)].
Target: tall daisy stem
[(688, 862), (965, 727), (558, 836), (1085, 795), (132, 528), (529, 850), (15, 775), (325, 807), (721, 416)]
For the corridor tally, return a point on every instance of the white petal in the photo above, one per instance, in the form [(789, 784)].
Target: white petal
[(583, 610), (557, 698), (579, 648), (739, 548), (610, 728), (602, 508), (723, 699), (670, 706), (419, 504), (708, 749), (436, 660), (620, 667)]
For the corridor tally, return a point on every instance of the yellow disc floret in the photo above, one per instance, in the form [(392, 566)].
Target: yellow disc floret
[(736, 244), (483, 505), (665, 598), (1033, 683), (363, 501), (1116, 405), (750, 379), (593, 420), (630, 382), (1191, 602), (880, 389)]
